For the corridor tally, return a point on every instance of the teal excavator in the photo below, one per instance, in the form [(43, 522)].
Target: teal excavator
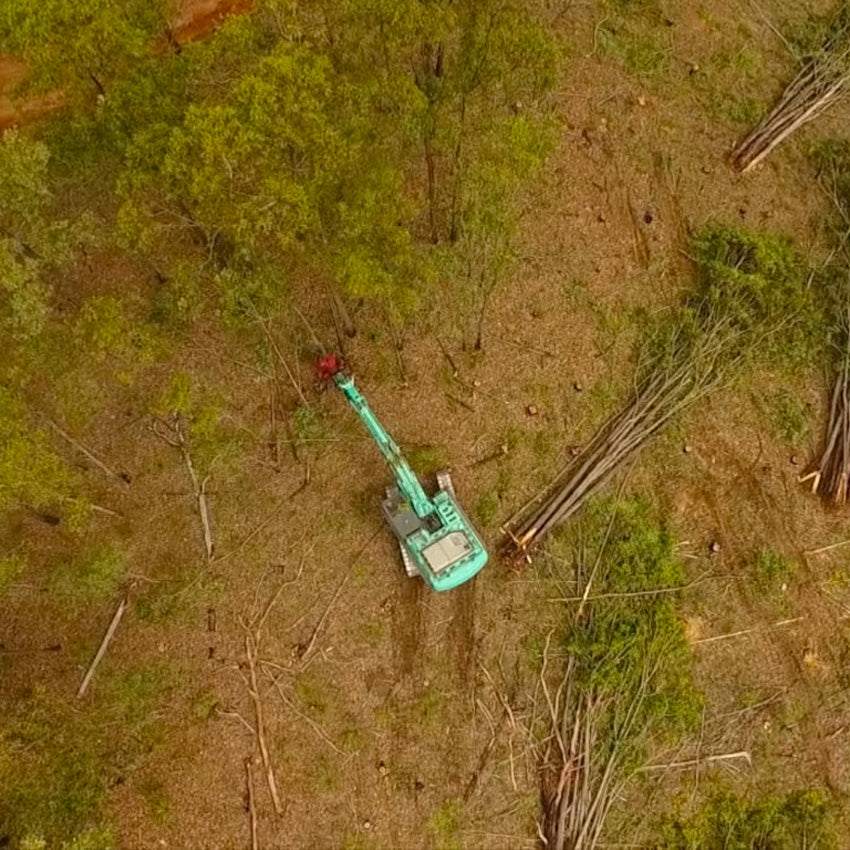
[(436, 538)]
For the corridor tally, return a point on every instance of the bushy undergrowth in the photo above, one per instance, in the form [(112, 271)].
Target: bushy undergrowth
[(626, 684), (802, 819), (753, 303), (626, 641), (57, 761)]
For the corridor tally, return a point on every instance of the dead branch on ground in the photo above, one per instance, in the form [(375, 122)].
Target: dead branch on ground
[(122, 478), (254, 691), (696, 762), (173, 432), (104, 644)]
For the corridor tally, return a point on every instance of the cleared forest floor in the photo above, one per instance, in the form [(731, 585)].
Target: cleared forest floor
[(394, 717)]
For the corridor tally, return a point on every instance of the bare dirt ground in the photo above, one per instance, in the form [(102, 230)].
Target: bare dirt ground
[(385, 704)]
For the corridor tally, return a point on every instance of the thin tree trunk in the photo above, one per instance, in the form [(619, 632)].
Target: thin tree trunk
[(432, 184)]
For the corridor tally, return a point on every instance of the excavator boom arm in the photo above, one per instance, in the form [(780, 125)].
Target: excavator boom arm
[(407, 481)]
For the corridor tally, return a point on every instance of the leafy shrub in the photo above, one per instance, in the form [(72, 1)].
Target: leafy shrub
[(51, 784), (426, 459), (621, 639), (11, 566), (759, 286), (444, 825), (57, 762), (772, 571), (788, 416), (487, 506), (789, 822), (31, 473), (91, 576)]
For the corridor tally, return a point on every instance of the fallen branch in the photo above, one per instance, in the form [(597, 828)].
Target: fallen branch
[(175, 436), (123, 478), (250, 651), (56, 647), (823, 549), (629, 595), (678, 765), (304, 651), (728, 635), (475, 776), (275, 511), (104, 644), (306, 718)]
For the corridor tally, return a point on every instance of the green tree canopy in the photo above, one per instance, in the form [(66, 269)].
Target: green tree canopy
[(72, 44)]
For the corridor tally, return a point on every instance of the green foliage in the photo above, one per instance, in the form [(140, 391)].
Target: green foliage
[(426, 460), (289, 156), (796, 820), (635, 642), (722, 82), (754, 297), (103, 329), (444, 825), (832, 160), (98, 838), (772, 572), (31, 242), (308, 424), (93, 575), (51, 784), (24, 192), (177, 298), (823, 37), (787, 414), (57, 762), (199, 413), (204, 705), (311, 694), (487, 506), (157, 800), (98, 41), (311, 147), (635, 33), (30, 473), (160, 605), (11, 568), (759, 282)]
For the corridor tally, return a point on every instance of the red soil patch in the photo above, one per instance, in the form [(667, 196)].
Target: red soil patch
[(13, 112), (198, 18)]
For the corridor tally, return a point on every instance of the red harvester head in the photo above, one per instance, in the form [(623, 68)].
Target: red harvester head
[(327, 365)]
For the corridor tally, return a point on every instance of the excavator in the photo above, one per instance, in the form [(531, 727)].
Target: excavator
[(436, 538)]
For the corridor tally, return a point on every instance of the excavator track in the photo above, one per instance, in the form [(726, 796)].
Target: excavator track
[(444, 482)]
